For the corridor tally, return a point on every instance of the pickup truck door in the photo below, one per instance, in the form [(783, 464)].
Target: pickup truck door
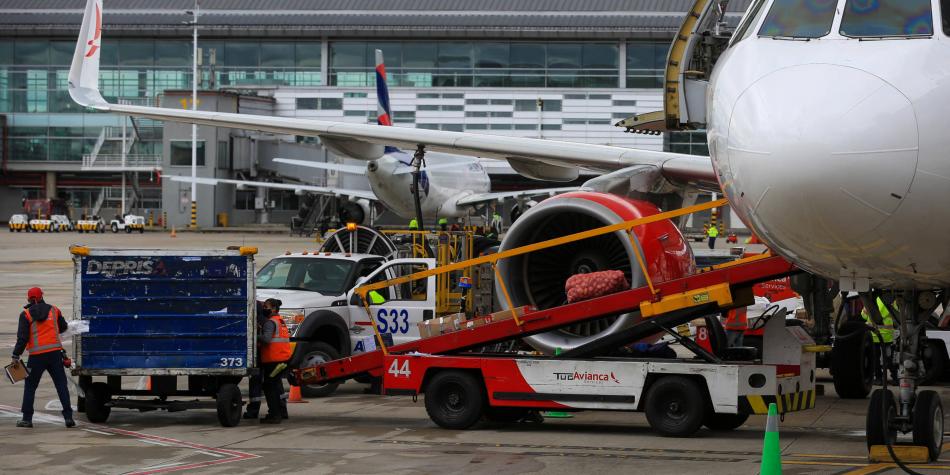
[(406, 304)]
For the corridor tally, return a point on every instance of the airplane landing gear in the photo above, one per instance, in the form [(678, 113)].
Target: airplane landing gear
[(910, 412)]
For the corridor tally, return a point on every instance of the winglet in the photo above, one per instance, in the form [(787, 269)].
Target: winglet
[(84, 72), (384, 112)]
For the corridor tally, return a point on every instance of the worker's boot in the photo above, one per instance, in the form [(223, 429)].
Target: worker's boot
[(253, 410), (28, 424), (70, 423), (271, 419)]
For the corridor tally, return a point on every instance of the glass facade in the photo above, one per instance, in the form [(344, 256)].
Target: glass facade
[(646, 63), (44, 124), (476, 64)]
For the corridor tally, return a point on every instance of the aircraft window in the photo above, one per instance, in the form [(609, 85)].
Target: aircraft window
[(799, 18), (877, 18), (751, 18)]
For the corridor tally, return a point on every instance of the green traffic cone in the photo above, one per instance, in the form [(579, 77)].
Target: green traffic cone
[(771, 450), (557, 414)]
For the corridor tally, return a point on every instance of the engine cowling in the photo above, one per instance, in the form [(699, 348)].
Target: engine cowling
[(538, 278), (357, 211)]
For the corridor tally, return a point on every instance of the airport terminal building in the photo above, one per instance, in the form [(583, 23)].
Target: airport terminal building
[(554, 69)]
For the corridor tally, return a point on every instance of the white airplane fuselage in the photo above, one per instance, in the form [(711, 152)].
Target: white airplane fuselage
[(440, 188), (836, 151)]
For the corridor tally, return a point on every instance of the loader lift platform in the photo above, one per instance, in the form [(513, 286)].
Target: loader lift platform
[(667, 303)]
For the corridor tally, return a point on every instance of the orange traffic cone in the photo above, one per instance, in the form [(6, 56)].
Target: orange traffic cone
[(173, 234), (295, 395)]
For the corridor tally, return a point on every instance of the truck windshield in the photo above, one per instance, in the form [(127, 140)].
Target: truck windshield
[(327, 276), (882, 18), (799, 19)]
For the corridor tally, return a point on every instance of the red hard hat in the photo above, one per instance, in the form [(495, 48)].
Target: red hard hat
[(35, 293)]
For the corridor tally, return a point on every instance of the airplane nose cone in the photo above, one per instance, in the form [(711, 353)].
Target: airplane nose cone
[(819, 157)]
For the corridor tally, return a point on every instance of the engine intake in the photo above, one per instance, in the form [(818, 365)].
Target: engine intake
[(538, 278)]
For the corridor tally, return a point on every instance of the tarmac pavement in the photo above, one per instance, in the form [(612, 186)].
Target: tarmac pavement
[(355, 433)]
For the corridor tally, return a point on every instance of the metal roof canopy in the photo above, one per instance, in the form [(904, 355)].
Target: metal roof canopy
[(364, 18)]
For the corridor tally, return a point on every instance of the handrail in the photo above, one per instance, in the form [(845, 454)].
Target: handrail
[(626, 226)]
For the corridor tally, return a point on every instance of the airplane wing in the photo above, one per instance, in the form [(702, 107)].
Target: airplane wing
[(320, 190), (479, 198), (351, 169), (534, 158)]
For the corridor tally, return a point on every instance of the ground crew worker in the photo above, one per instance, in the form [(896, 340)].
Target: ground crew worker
[(882, 349), (496, 223), (443, 224), (38, 332), (255, 390), (413, 225), (736, 324), (274, 340), (712, 233)]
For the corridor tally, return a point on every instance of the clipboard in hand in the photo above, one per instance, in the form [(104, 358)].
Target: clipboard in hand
[(16, 371)]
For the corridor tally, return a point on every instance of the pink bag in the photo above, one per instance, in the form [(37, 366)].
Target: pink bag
[(596, 284)]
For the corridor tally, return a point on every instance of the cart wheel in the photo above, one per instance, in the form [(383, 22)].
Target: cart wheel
[(97, 396), (454, 400), (141, 230), (675, 406), (318, 352), (128, 230), (928, 423), (229, 405), (715, 421), (852, 361), (881, 411), (115, 228)]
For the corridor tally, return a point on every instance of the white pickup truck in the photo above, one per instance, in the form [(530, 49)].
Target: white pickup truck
[(327, 320)]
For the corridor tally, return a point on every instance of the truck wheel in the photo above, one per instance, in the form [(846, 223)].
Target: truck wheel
[(454, 400), (724, 422), (128, 230), (115, 228), (928, 423), (675, 406), (229, 405), (881, 411), (852, 361), (318, 352), (97, 397), (934, 361)]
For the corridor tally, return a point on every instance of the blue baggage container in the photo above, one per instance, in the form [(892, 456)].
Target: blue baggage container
[(164, 314)]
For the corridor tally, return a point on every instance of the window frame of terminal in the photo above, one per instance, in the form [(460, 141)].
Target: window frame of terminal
[(783, 3), (847, 9)]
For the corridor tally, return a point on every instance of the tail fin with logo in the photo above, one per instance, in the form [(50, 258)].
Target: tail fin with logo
[(84, 71), (384, 114)]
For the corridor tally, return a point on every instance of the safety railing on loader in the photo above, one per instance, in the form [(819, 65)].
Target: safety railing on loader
[(658, 303)]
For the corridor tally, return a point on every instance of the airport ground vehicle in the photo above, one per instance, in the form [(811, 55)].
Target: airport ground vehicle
[(40, 225), (157, 315), (129, 223), (61, 223), (719, 388), (18, 223), (93, 224)]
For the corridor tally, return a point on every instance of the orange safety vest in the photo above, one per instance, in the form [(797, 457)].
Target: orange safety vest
[(44, 336), (737, 320), (278, 350)]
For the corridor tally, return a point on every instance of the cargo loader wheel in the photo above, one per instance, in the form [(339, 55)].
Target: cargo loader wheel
[(675, 406), (928, 423), (97, 396), (455, 400), (318, 352), (229, 405), (881, 413), (724, 422), (852, 361)]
